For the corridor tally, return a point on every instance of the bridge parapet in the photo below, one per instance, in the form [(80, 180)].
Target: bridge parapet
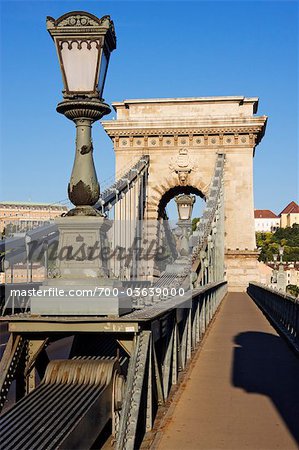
[(281, 309)]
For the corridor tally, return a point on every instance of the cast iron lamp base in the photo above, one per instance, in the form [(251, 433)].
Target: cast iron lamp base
[(83, 188)]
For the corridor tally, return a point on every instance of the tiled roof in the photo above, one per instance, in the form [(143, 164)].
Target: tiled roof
[(291, 208), (264, 214)]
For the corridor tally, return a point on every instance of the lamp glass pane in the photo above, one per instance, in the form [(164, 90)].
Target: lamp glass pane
[(80, 65), (103, 70), (184, 212)]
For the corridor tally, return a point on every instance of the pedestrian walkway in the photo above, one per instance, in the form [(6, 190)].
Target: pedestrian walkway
[(243, 391)]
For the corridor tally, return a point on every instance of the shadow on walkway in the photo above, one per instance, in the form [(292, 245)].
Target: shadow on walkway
[(264, 364)]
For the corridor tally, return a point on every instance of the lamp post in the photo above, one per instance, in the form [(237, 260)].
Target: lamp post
[(83, 44), (281, 251), (184, 204), (281, 278), (274, 276)]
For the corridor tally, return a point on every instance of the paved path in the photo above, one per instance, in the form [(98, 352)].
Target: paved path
[(243, 391)]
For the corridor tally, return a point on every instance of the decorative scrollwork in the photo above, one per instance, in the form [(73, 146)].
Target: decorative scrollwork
[(77, 21), (183, 165), (74, 21), (54, 272), (80, 20), (85, 149), (79, 43)]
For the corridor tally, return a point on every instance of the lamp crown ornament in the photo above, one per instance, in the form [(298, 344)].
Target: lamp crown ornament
[(83, 43)]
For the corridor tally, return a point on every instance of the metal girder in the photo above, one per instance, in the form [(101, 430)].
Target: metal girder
[(36, 326), (166, 365), (34, 349), (158, 378), (175, 369), (196, 326), (149, 397), (184, 343), (127, 345), (9, 363), (189, 335), (130, 411), (203, 317)]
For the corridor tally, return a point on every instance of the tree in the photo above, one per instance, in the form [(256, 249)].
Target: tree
[(269, 243), (194, 223), (293, 290)]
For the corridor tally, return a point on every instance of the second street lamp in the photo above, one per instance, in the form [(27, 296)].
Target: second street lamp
[(185, 206), (281, 277), (281, 251), (83, 43), (274, 276)]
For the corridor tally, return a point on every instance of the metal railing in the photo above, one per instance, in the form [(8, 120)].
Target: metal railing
[(17, 250), (206, 246), (12, 298), (282, 310), (161, 355), (111, 195)]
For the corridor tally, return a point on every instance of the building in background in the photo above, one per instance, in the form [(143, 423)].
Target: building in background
[(23, 216), (289, 215), (265, 220), (20, 273), (265, 273), (292, 273)]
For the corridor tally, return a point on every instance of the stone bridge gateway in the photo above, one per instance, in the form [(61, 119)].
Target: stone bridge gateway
[(182, 137)]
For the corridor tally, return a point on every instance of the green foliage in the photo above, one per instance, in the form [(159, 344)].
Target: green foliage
[(194, 223), (269, 243), (293, 290)]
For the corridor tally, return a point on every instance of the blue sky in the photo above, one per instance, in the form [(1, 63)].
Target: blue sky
[(164, 49)]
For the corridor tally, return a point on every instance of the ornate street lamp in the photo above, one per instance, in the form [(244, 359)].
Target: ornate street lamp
[(281, 276), (281, 251), (83, 43), (185, 206), (274, 276)]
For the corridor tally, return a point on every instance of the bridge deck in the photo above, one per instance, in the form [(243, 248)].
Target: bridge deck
[(243, 390)]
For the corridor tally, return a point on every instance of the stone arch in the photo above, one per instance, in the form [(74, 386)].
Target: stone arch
[(174, 191), (171, 184)]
